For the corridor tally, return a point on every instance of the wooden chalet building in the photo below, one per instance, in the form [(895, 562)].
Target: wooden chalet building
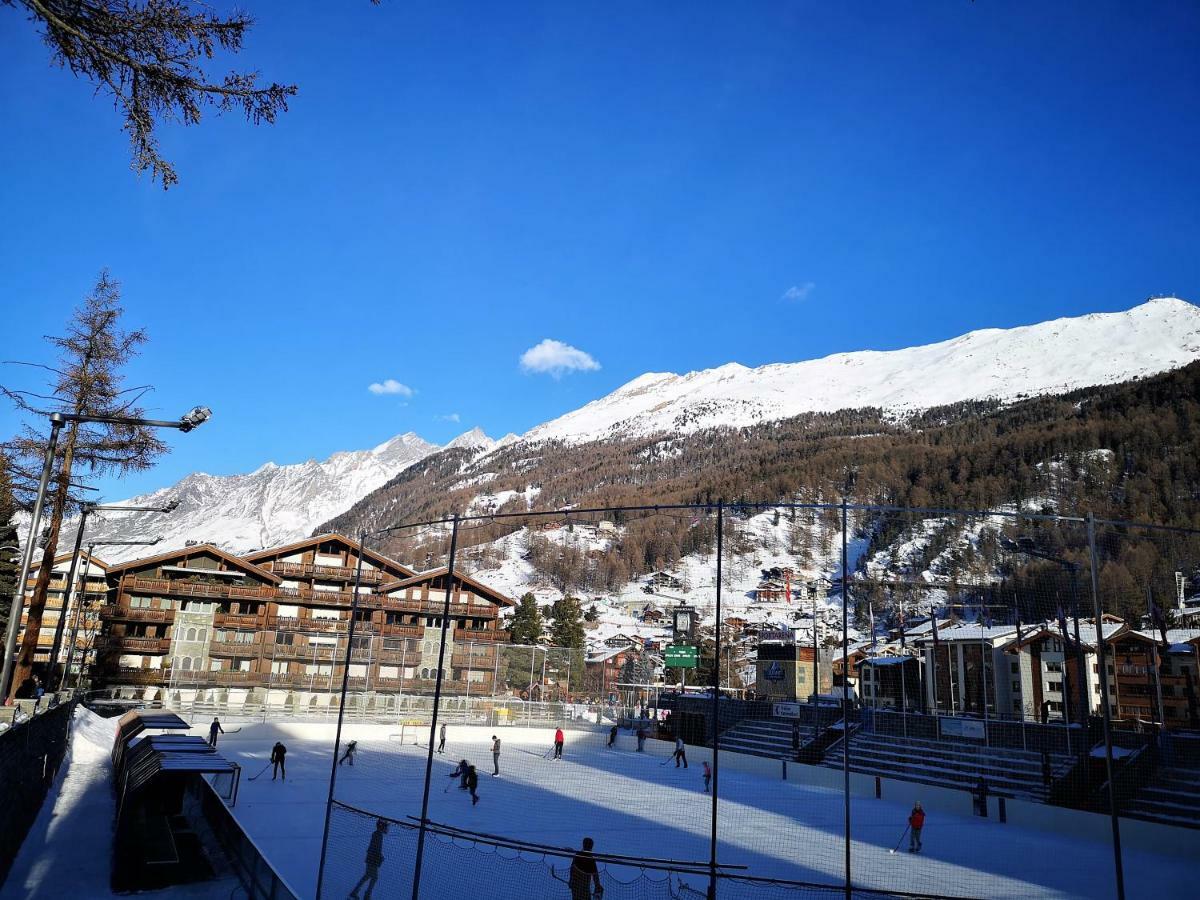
[(200, 619), (90, 588), (1156, 683)]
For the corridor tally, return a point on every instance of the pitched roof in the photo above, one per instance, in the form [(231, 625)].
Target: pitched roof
[(194, 550), (350, 544), (62, 557), (422, 577)]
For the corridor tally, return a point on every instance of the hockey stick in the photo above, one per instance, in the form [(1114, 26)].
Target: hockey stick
[(264, 769), (901, 841)]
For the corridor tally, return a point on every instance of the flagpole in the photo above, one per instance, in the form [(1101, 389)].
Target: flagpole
[(1155, 619)]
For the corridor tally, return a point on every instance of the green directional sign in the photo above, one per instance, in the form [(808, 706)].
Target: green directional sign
[(681, 656)]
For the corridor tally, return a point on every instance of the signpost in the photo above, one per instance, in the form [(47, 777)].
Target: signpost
[(681, 656)]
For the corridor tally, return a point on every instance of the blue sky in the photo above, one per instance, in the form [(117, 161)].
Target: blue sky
[(657, 186)]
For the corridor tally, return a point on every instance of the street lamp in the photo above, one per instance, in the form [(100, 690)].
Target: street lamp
[(88, 509), (78, 606), (189, 420)]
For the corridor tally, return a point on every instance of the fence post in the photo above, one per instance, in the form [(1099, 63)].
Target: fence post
[(433, 719), (716, 711), (1106, 714), (846, 698), (337, 739)]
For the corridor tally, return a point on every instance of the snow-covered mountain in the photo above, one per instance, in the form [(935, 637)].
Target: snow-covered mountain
[(1005, 364), (272, 505)]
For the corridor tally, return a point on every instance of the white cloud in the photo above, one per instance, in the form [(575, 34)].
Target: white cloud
[(390, 386), (798, 292), (556, 358), (450, 417)]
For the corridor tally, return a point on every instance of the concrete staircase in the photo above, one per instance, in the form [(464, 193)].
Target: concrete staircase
[(1172, 797), (1008, 772), (764, 737)]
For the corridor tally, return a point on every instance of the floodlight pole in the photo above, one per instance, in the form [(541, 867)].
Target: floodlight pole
[(187, 422), (846, 698), (716, 710)]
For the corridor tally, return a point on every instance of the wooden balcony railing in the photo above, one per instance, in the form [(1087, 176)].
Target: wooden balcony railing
[(112, 611), (236, 620), (302, 652), (240, 649), (292, 623), (133, 644), (177, 587), (369, 576), (138, 676)]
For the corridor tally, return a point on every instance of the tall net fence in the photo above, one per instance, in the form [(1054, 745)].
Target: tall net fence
[(798, 700)]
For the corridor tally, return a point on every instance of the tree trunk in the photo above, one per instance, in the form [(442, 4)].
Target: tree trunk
[(23, 668)]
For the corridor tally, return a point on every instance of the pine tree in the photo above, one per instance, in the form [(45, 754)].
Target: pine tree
[(87, 381), (527, 625), (151, 58), (567, 630), (592, 615)]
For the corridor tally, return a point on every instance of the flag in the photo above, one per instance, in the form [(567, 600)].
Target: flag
[(1157, 619)]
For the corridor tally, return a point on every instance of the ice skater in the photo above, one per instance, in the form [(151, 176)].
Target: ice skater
[(680, 753), (351, 749), (374, 861), (707, 776), (584, 873), (278, 752), (460, 773), (213, 730), (558, 743), (472, 784), (612, 737), (442, 739), (916, 821), (495, 755), (641, 739)]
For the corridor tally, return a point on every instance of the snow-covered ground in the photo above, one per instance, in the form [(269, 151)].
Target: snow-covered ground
[(68, 851), (631, 803)]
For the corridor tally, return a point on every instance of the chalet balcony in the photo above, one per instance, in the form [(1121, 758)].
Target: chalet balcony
[(137, 676), (302, 653), (132, 644), (410, 631), (434, 606), (308, 570), (236, 648), (293, 623), (131, 614), (237, 620), (480, 634), (178, 588)]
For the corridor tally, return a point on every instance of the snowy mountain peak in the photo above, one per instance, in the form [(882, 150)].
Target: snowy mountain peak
[(474, 439), (992, 363)]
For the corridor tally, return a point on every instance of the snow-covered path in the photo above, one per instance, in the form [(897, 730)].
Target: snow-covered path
[(68, 849)]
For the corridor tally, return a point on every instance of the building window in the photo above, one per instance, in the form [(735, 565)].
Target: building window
[(279, 668)]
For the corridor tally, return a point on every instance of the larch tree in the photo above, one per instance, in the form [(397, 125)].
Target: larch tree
[(151, 58), (8, 543), (87, 381)]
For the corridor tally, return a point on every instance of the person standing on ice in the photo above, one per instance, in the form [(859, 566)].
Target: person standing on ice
[(442, 739), (916, 821), (472, 784), (584, 873), (374, 861), (351, 749), (612, 737), (495, 755), (558, 743), (641, 738), (707, 776), (680, 753), (213, 730), (278, 752)]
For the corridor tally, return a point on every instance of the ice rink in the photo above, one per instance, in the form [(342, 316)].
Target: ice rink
[(631, 803)]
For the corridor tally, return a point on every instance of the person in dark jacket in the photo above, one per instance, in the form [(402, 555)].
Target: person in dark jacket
[(374, 861), (460, 772), (442, 739), (213, 730), (495, 755), (472, 784), (584, 873), (680, 753), (351, 749), (612, 736), (278, 752)]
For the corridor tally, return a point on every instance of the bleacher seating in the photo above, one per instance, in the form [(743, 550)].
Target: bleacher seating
[(764, 737), (1008, 772), (1172, 797)]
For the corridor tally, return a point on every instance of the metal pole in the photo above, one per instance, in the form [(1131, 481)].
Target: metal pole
[(337, 739), (66, 601), (816, 685), (983, 670), (35, 521), (1085, 705), (75, 629), (1106, 715), (433, 721), (846, 697), (716, 711)]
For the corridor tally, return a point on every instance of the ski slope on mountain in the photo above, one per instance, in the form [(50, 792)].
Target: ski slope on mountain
[(1004, 364)]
